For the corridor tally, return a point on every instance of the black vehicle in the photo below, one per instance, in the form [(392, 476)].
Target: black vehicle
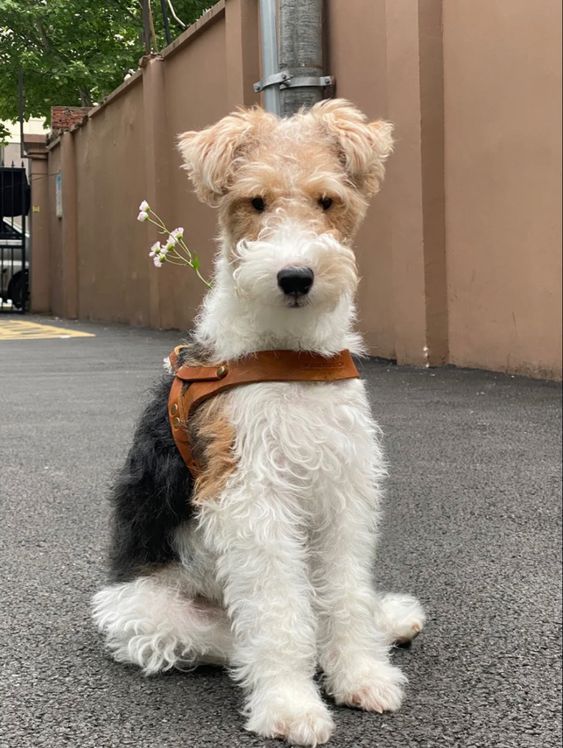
[(14, 239), (14, 265)]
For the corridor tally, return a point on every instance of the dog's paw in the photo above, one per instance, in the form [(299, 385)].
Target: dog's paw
[(298, 721), (375, 688), (401, 616)]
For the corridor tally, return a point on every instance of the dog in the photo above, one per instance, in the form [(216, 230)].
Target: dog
[(264, 562)]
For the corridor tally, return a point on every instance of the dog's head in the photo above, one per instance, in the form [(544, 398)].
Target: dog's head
[(291, 194)]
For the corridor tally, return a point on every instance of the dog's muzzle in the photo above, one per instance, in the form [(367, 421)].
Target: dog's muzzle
[(296, 282)]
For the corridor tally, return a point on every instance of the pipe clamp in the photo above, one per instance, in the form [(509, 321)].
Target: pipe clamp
[(284, 79)]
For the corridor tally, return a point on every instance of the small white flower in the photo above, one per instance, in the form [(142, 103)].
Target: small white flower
[(164, 250), (171, 241), (157, 262), (143, 216), (177, 233), (144, 206), (155, 249)]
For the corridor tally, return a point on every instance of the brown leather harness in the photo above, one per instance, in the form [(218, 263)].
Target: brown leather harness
[(192, 385)]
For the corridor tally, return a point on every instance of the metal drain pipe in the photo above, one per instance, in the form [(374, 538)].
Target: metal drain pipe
[(295, 80), (269, 48), (301, 53)]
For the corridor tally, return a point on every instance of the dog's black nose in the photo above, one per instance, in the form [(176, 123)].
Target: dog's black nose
[(295, 281)]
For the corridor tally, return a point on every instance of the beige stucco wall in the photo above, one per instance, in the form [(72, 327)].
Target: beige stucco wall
[(126, 152), (503, 183), (459, 254), (192, 103), (113, 275), (356, 47), (114, 155), (55, 240)]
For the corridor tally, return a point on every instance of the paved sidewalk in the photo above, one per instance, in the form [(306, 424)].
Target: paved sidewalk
[(472, 525)]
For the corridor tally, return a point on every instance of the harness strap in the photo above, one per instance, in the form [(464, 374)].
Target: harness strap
[(193, 385)]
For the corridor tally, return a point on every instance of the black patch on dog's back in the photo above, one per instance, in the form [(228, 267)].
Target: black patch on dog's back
[(151, 495)]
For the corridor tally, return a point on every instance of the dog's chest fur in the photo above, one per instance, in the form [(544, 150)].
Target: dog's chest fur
[(304, 434), (310, 440), (301, 448)]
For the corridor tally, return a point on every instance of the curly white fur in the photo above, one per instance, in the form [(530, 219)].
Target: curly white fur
[(284, 555)]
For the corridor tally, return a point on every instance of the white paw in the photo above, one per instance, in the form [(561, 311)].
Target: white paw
[(377, 687), (401, 617), (298, 721)]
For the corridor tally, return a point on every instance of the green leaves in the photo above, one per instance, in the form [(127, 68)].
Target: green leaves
[(4, 133), (74, 52)]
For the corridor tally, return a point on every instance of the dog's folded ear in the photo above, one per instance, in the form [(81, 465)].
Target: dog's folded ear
[(212, 156), (363, 147)]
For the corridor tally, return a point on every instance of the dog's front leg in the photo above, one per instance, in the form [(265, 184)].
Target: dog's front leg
[(258, 538), (353, 653)]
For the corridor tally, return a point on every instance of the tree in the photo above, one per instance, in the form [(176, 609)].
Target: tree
[(74, 52)]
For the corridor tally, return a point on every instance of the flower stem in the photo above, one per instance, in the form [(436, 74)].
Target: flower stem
[(175, 251)]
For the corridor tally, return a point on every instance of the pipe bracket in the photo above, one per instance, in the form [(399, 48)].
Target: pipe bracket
[(284, 79)]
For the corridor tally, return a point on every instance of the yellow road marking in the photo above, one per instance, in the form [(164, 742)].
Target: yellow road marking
[(18, 329)]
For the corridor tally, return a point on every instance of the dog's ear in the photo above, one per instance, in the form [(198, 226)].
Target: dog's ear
[(363, 147), (211, 156)]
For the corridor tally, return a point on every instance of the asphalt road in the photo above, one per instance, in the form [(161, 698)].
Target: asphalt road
[(472, 525)]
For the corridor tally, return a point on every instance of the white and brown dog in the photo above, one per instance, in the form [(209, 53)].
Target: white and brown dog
[(265, 562)]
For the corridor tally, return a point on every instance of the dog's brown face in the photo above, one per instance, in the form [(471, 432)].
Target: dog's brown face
[(291, 194), (318, 168)]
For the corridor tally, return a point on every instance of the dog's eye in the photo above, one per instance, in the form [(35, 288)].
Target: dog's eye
[(325, 202), (258, 204)]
